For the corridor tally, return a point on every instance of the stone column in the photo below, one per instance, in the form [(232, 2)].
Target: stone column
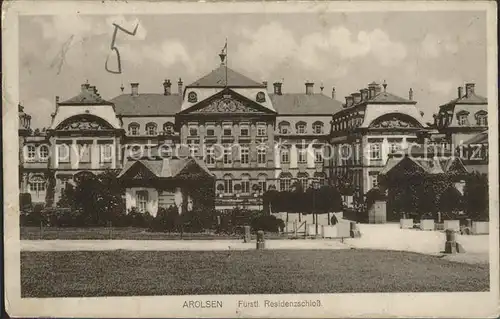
[(95, 154), (293, 156)]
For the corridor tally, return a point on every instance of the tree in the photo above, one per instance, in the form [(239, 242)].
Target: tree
[(450, 201), (476, 199)]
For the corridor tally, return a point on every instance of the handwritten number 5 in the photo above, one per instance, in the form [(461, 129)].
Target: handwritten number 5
[(114, 48)]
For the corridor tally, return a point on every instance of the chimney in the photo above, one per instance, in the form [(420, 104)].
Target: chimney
[(333, 93), (348, 101), (134, 89), (277, 88), (309, 88), (57, 99), (410, 94), (460, 91), (265, 84), (167, 85), (469, 89), (179, 86), (84, 88), (356, 98), (364, 94), (373, 89)]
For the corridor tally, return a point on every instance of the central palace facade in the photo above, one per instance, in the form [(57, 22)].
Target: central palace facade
[(247, 135)]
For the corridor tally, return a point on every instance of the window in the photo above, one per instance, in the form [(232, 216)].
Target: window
[(151, 129), (168, 128), (210, 158), (462, 119), (142, 200), (394, 147), (261, 155), (227, 156), (285, 155), (245, 184), (262, 183), (284, 128), (106, 153), (373, 179), (194, 149), (227, 131), (133, 129), (210, 132), (192, 97), (261, 97), (244, 131), (302, 155), (193, 131), (63, 153), (303, 180), (228, 184), (31, 153), (244, 155), (84, 153), (43, 153), (301, 128), (37, 184), (318, 155), (318, 128), (482, 118), (375, 151), (320, 177), (261, 130), (285, 182)]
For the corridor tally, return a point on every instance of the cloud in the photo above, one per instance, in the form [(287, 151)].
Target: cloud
[(442, 87), (433, 46), (39, 109), (272, 45)]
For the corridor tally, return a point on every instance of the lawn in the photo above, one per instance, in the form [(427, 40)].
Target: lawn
[(128, 273), (129, 233)]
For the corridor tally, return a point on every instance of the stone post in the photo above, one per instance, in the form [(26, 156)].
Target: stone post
[(451, 245), (247, 237), (260, 240)]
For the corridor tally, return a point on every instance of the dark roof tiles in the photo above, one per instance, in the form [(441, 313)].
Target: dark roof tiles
[(217, 78), (147, 104), (301, 103)]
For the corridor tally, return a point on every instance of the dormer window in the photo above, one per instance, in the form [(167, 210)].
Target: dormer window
[(482, 118), (151, 129), (462, 118), (168, 128), (192, 97), (133, 129), (318, 128), (301, 128), (261, 97), (284, 128)]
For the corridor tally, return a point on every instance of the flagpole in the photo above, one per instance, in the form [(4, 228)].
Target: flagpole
[(226, 63)]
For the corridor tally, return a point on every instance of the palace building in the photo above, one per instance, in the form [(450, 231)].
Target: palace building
[(244, 135)]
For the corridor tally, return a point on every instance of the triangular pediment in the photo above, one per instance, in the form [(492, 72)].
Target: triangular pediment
[(227, 102), (138, 171)]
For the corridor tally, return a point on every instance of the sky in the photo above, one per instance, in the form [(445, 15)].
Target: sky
[(432, 52)]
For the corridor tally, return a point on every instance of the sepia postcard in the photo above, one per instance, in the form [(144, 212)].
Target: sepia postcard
[(250, 159)]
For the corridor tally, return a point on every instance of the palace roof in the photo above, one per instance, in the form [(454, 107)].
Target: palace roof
[(306, 104), (217, 79), (88, 95), (386, 97), (147, 104)]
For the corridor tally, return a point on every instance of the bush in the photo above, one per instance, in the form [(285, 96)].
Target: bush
[(166, 220), (63, 217), (25, 203), (137, 219), (267, 223)]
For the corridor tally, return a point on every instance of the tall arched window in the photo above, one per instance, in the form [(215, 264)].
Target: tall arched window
[(37, 185), (133, 129), (228, 184), (262, 182), (245, 184), (285, 181), (303, 180), (151, 129)]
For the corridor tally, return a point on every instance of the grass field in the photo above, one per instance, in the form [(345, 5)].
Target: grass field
[(127, 273), (129, 233)]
